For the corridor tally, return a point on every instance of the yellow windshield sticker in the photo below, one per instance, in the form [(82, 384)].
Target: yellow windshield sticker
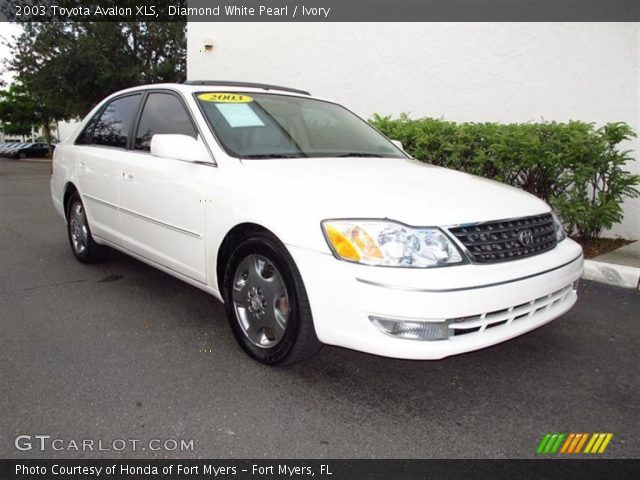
[(225, 97)]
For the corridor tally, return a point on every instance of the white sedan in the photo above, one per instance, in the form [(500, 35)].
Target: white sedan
[(311, 226)]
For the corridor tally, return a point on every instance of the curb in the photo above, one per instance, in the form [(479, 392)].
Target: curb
[(612, 274), (36, 161)]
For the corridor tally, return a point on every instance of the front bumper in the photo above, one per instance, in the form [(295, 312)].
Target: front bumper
[(485, 304)]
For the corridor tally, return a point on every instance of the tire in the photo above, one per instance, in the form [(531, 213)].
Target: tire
[(22, 156), (83, 246), (266, 303)]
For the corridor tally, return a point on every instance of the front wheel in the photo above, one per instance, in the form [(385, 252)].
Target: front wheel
[(266, 303)]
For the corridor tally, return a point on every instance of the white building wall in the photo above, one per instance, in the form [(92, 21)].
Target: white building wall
[(65, 129), (504, 72)]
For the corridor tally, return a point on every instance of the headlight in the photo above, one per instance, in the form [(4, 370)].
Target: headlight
[(560, 235), (380, 242)]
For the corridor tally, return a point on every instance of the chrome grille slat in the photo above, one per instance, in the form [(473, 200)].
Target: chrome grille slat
[(499, 241)]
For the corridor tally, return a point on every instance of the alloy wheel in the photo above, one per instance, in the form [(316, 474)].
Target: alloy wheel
[(260, 300)]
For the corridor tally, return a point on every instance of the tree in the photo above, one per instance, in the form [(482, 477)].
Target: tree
[(20, 112), (70, 67)]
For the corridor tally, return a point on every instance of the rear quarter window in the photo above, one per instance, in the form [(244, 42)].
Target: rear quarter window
[(111, 129)]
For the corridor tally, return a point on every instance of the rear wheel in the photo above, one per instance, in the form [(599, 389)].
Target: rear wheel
[(266, 303), (22, 155), (82, 244)]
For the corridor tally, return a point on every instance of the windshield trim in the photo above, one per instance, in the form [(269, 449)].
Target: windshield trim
[(284, 157)]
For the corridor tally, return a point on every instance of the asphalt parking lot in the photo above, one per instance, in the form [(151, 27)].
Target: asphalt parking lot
[(123, 351)]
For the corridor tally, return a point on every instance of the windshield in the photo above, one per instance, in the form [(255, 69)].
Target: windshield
[(258, 125)]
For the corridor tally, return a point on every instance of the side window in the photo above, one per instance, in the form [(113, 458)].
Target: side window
[(112, 129), (162, 113)]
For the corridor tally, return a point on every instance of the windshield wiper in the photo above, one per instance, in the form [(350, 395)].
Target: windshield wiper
[(273, 155), (360, 154)]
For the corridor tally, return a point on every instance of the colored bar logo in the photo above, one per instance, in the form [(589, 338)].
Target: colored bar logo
[(574, 443)]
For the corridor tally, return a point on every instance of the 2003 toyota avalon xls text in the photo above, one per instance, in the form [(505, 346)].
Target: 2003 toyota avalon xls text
[(311, 226)]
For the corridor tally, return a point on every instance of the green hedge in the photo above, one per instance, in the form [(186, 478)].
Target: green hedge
[(577, 168)]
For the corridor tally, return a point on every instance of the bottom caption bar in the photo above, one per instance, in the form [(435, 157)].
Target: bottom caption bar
[(320, 469)]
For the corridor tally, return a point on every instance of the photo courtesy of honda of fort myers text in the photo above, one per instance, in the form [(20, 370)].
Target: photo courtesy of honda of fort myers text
[(331, 239)]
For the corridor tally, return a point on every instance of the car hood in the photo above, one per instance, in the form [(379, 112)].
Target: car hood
[(405, 190)]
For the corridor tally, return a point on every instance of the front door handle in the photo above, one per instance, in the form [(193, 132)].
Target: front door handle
[(127, 176)]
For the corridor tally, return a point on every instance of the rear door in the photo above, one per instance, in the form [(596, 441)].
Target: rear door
[(102, 149), (163, 200)]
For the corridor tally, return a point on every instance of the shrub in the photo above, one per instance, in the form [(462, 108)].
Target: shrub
[(574, 166)]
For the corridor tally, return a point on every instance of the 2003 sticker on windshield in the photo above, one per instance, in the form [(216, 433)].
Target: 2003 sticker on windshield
[(224, 97)]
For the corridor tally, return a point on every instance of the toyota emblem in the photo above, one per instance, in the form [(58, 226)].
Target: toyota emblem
[(525, 237)]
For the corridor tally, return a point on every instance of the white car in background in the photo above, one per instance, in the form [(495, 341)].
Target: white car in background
[(310, 225)]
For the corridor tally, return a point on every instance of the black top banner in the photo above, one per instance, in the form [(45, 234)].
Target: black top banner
[(320, 10)]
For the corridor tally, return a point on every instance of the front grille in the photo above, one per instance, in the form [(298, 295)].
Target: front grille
[(506, 240)]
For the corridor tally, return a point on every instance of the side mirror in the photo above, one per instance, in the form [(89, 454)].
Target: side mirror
[(398, 144), (179, 147)]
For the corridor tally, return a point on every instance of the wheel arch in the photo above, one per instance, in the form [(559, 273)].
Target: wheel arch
[(232, 239), (69, 189)]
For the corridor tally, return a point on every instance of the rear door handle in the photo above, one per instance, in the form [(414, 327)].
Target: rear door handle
[(82, 164), (127, 176)]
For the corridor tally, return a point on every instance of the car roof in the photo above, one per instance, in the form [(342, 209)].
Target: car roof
[(194, 86), (233, 84)]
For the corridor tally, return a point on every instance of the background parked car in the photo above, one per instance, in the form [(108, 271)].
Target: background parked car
[(30, 150), (6, 147), (8, 150)]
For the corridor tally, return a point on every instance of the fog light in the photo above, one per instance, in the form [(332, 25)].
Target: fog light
[(412, 329)]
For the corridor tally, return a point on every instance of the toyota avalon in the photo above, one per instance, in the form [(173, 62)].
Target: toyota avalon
[(311, 226)]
